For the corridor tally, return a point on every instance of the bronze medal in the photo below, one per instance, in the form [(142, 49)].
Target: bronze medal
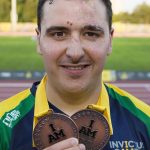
[(53, 128), (94, 131)]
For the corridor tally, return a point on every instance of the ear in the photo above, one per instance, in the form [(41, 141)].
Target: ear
[(110, 45), (38, 34)]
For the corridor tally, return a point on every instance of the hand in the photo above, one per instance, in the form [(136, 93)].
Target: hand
[(69, 144)]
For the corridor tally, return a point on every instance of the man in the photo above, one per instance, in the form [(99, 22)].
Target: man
[(74, 39)]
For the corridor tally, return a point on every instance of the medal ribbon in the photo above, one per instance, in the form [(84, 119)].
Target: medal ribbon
[(41, 103), (103, 106)]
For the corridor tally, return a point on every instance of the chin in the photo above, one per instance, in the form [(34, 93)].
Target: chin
[(77, 88)]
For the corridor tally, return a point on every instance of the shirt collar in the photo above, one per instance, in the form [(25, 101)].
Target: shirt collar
[(103, 106), (42, 107)]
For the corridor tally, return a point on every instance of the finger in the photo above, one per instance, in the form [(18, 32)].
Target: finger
[(79, 147), (65, 144)]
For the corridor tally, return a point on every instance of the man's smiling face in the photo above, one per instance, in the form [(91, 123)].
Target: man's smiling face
[(74, 41)]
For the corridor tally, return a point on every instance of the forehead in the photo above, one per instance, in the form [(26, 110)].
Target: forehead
[(77, 11)]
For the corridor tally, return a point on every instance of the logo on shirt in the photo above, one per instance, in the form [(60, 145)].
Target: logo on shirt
[(126, 145), (11, 117)]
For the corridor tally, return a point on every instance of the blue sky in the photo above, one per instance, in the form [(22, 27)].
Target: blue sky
[(126, 5)]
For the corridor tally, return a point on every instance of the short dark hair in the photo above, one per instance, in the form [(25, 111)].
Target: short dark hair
[(107, 4)]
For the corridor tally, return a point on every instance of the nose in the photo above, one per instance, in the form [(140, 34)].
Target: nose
[(75, 51)]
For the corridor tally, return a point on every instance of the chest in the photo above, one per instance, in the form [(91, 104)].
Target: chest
[(128, 132)]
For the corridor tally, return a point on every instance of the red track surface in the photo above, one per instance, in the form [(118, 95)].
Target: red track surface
[(139, 89)]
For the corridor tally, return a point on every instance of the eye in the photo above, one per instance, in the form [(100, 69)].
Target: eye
[(91, 35), (58, 35)]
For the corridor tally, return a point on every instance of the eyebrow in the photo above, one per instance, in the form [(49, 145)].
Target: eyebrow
[(93, 28), (54, 28), (87, 27)]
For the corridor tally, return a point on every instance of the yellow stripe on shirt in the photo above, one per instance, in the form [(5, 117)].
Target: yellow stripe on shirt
[(12, 102), (138, 103)]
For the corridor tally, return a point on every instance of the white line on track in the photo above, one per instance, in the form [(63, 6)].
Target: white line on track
[(123, 85), (137, 85), (15, 85)]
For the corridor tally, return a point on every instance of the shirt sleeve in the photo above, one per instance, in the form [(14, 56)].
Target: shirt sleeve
[(4, 138)]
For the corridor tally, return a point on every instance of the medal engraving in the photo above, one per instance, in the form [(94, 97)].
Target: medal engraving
[(93, 128), (56, 135), (53, 128), (87, 131)]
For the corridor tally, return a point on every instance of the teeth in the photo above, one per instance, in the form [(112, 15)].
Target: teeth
[(75, 68)]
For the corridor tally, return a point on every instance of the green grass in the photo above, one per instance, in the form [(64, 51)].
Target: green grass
[(129, 54), (19, 53)]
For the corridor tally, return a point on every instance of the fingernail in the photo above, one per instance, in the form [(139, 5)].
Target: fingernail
[(74, 141), (82, 147)]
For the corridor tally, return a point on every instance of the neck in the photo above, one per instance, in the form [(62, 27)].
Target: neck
[(73, 102)]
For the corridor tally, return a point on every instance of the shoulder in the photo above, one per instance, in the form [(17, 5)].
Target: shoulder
[(13, 109), (14, 101), (134, 111), (136, 107), (126, 99)]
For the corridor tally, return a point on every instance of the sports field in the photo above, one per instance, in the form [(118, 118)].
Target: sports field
[(129, 54)]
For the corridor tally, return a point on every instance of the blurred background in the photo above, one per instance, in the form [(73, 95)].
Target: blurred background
[(128, 66)]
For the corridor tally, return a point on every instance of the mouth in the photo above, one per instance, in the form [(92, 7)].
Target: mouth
[(75, 67), (76, 70), (81, 67)]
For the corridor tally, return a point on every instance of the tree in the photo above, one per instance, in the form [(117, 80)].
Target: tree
[(122, 17), (5, 7), (141, 14), (20, 5), (27, 10)]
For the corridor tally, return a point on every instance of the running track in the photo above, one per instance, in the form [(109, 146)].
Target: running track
[(139, 89)]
